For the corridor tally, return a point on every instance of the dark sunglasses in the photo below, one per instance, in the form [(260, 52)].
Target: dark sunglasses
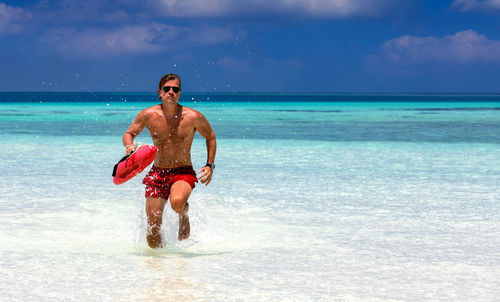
[(167, 89)]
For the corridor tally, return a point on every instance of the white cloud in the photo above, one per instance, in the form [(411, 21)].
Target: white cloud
[(470, 5), (301, 8), (136, 39), (96, 42), (12, 18), (464, 46), (114, 11), (339, 8)]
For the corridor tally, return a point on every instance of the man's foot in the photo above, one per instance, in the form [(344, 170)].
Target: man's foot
[(184, 227), (154, 242)]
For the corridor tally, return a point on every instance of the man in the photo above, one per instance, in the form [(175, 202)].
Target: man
[(172, 128)]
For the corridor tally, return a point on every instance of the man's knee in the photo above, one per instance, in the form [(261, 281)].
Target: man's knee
[(178, 203), (179, 195)]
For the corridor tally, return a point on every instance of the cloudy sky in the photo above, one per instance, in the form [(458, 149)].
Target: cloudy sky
[(251, 45)]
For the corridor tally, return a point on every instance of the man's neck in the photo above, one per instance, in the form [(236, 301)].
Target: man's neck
[(170, 109)]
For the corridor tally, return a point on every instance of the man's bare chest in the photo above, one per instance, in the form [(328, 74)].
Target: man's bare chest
[(175, 130)]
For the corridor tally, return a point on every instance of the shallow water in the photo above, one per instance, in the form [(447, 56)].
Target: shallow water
[(318, 201)]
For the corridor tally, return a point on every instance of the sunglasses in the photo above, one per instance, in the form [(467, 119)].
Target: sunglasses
[(167, 89)]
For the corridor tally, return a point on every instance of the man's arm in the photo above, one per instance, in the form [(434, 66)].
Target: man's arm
[(204, 128), (135, 128)]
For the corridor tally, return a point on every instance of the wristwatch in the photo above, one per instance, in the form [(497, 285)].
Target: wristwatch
[(212, 166)]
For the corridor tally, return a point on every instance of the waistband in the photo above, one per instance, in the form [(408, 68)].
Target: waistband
[(171, 170)]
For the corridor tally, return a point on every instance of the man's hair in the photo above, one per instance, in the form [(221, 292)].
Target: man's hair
[(169, 77)]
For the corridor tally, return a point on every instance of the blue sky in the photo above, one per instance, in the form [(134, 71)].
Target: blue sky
[(251, 45)]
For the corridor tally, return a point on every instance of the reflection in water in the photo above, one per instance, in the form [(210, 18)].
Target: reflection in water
[(170, 278)]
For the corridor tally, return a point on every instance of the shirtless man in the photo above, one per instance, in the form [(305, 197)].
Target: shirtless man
[(172, 128)]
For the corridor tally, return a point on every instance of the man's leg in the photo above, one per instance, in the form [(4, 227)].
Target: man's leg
[(154, 211), (179, 195)]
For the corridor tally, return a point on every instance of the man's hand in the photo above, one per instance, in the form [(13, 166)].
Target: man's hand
[(129, 149), (206, 175)]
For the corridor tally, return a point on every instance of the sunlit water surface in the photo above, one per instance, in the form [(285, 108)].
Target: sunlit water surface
[(318, 201)]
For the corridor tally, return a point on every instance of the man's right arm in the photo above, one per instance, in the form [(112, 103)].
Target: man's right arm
[(135, 128)]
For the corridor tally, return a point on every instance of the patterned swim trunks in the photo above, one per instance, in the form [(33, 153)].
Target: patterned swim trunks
[(158, 181)]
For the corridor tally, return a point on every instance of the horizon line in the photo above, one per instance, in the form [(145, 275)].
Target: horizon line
[(266, 92)]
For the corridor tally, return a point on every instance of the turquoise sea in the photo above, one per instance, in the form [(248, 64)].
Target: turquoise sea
[(314, 198)]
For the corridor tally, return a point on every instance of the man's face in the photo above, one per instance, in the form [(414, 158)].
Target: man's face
[(170, 96)]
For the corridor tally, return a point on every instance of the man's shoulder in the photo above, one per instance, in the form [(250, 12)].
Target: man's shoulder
[(151, 110), (194, 117), (190, 112), (146, 114)]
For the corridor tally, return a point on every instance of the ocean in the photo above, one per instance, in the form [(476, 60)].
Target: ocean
[(314, 198)]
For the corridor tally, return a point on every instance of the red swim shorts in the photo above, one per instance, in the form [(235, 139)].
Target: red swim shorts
[(159, 180)]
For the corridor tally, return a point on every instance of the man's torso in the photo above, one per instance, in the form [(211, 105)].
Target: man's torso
[(172, 135)]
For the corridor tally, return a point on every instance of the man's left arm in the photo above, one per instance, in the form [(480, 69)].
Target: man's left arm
[(204, 128)]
